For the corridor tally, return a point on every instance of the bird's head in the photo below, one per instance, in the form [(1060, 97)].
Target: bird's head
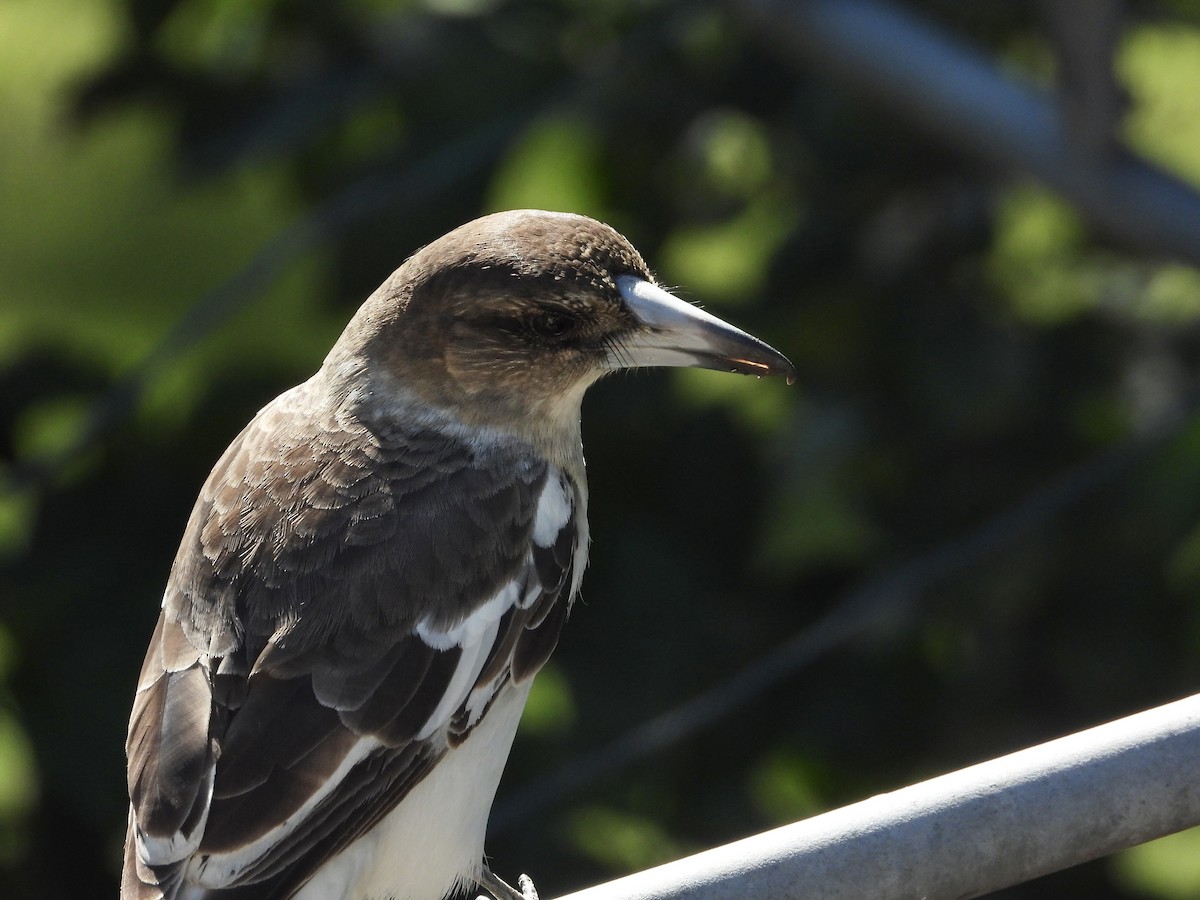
[(506, 321)]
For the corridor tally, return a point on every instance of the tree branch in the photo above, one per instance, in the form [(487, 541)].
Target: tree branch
[(925, 76)]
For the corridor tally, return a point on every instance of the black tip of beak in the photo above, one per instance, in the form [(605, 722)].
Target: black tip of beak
[(757, 358), (671, 332)]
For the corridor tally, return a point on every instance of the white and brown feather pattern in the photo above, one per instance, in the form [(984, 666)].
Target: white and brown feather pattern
[(346, 607)]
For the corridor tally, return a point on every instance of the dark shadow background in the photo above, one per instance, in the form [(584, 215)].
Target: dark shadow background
[(225, 181)]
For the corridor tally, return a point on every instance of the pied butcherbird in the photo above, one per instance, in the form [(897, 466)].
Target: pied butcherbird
[(378, 566)]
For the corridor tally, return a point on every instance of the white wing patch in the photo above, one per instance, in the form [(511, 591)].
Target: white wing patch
[(470, 630), (476, 633), (474, 636), (475, 646), (553, 510)]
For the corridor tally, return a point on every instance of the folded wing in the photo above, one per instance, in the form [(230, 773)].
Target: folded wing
[(346, 607)]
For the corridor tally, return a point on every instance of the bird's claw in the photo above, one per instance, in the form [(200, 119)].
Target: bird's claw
[(501, 890)]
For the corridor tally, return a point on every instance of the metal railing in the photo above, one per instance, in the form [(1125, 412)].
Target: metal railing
[(967, 833)]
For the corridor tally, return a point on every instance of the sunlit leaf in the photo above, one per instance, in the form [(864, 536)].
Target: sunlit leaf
[(813, 524), (550, 709), (18, 767), (225, 33), (17, 509), (18, 772), (787, 786), (620, 840), (50, 427), (760, 404), (735, 151), (728, 260), (1034, 259), (555, 165), (1168, 869), (1160, 66), (1173, 295)]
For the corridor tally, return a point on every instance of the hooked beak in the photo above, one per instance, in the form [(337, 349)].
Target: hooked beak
[(672, 332)]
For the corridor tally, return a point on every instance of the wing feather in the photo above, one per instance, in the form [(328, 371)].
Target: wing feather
[(345, 608), (170, 754)]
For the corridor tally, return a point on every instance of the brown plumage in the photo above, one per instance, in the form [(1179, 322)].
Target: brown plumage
[(380, 563)]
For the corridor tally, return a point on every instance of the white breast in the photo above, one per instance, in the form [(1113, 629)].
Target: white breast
[(433, 840)]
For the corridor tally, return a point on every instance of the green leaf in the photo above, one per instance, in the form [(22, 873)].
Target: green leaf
[(1159, 64), (555, 165), (621, 840), (1035, 257), (1168, 868), (550, 710), (787, 786), (728, 260)]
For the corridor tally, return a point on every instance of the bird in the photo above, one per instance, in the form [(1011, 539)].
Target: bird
[(378, 566)]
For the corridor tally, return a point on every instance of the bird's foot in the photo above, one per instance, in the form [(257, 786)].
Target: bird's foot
[(501, 890)]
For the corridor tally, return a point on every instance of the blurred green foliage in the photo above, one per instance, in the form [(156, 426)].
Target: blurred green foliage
[(1167, 868), (962, 338)]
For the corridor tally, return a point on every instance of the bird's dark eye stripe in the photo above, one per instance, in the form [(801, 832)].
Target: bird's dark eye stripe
[(547, 324), (551, 324)]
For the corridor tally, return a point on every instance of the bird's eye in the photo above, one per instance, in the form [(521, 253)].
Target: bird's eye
[(552, 325)]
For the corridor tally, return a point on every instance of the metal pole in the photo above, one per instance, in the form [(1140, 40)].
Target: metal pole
[(976, 830)]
